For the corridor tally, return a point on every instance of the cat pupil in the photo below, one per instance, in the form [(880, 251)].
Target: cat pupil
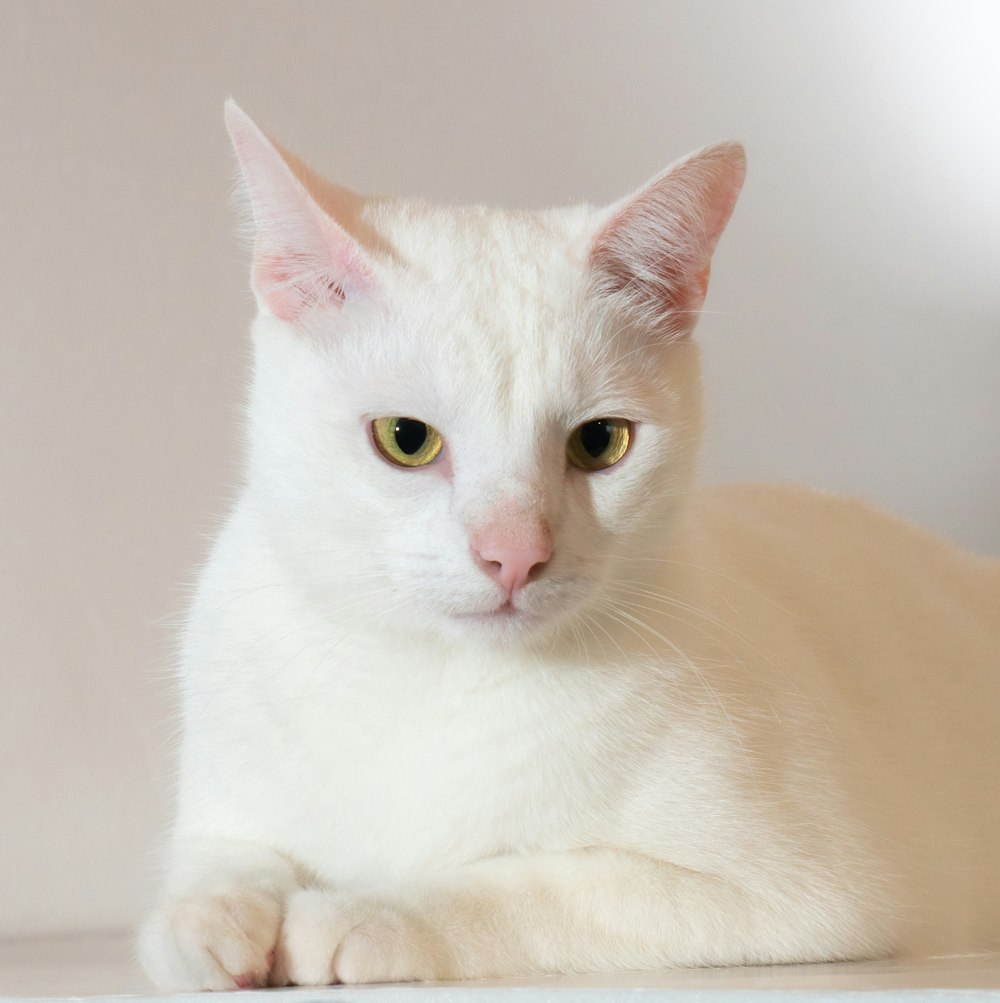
[(410, 435), (595, 437)]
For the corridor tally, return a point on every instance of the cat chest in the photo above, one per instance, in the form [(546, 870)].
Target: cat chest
[(390, 780)]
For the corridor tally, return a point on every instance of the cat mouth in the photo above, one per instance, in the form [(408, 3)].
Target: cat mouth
[(503, 626), (504, 620), (514, 616), (499, 614)]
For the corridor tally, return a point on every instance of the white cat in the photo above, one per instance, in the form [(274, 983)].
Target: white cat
[(476, 684)]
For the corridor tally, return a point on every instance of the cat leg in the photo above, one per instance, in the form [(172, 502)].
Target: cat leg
[(596, 909), (217, 924)]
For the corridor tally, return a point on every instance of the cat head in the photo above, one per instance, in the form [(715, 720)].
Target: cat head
[(467, 422)]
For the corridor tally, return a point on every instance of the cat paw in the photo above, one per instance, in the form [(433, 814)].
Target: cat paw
[(328, 938), (213, 941)]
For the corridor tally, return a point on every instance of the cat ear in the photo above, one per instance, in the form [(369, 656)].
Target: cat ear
[(301, 257), (653, 253)]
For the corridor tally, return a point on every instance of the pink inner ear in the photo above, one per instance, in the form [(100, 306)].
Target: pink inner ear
[(291, 281), (303, 259), (654, 255)]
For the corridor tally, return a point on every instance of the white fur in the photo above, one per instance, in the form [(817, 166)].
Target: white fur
[(732, 726)]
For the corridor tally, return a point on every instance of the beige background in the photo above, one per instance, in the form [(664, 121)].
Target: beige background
[(854, 343)]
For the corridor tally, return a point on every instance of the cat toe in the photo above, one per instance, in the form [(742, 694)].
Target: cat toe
[(219, 941), (328, 938)]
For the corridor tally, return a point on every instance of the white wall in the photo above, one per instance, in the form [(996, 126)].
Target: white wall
[(854, 341)]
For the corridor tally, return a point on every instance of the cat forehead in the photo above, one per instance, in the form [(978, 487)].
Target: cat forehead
[(489, 314), (473, 276), (489, 299), (464, 247)]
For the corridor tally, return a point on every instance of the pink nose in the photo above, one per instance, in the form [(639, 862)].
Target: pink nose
[(512, 558)]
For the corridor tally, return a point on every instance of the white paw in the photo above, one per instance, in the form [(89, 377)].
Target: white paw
[(328, 938), (218, 941)]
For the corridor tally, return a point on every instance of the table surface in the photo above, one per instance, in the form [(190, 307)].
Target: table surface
[(104, 966)]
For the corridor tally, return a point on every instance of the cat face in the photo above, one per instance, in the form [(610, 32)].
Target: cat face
[(463, 421)]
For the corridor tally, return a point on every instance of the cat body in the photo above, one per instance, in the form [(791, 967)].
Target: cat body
[(500, 713)]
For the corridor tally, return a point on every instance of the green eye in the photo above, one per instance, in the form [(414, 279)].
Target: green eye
[(600, 443), (406, 442)]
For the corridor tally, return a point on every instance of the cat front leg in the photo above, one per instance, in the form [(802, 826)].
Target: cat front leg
[(217, 923), (596, 909)]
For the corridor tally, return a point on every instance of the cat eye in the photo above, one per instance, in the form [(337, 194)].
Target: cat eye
[(406, 442), (598, 444)]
